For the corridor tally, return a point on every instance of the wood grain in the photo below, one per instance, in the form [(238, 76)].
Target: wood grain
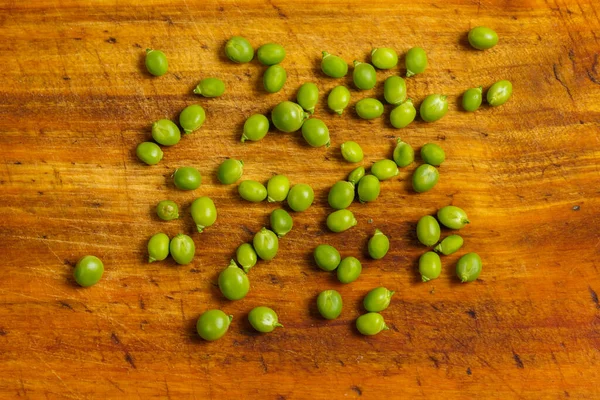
[(75, 101)]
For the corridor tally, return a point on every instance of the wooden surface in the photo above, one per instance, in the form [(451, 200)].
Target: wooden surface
[(75, 102)]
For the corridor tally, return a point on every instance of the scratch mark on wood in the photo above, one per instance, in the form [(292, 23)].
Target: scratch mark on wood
[(594, 297), (115, 384), (558, 76), (2, 332), (357, 390), (435, 361), (115, 338), (518, 361), (129, 359), (469, 371), (263, 364), (593, 74), (472, 314), (66, 305)]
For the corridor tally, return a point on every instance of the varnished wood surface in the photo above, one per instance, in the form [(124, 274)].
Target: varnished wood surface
[(75, 101)]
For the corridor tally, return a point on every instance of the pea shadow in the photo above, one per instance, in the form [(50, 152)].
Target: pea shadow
[(221, 53), (245, 327), (415, 270), (142, 65), (463, 41)]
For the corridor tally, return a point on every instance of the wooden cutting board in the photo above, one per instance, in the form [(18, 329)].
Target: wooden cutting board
[(76, 100)]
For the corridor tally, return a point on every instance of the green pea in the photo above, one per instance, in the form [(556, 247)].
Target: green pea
[(182, 249), (449, 245), (255, 128), (156, 62), (300, 197), (265, 244), (404, 154), (368, 188), (341, 195), (158, 247), (329, 304), (472, 99), (425, 178), (288, 116), (384, 58), (187, 178), (204, 213), (341, 220), (149, 152), (167, 210), (369, 108), (239, 50), (403, 114), (416, 61), (165, 132), (210, 87), (394, 90), (499, 93), (333, 66), (230, 171), (349, 270), (233, 282), (482, 38), (264, 319), (327, 257), (356, 175), (278, 188), (191, 118), (433, 154), (308, 96), (378, 299), (364, 75), (371, 324), (315, 132), (281, 222), (434, 107), (274, 78), (452, 217), (270, 54), (338, 99), (88, 271), (384, 169), (352, 152), (469, 267), (252, 191), (246, 256), (213, 324), (430, 266), (428, 230), (378, 245)]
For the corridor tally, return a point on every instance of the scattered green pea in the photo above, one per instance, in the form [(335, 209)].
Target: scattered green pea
[(182, 249), (482, 38), (327, 257), (233, 282), (352, 152), (281, 222), (371, 324), (404, 154), (369, 108), (341, 220), (88, 271), (341, 195), (264, 319), (469, 267), (329, 304), (156, 62), (430, 266), (394, 90), (300, 197), (403, 114), (416, 61), (270, 54), (158, 247), (230, 171), (384, 169), (434, 107), (333, 66), (308, 96), (452, 217), (265, 244), (384, 58), (149, 152), (472, 99), (288, 116), (378, 299), (213, 324), (252, 191), (338, 99), (204, 213), (378, 245), (349, 270), (368, 188), (274, 78), (278, 188), (165, 132), (425, 178), (449, 245), (315, 132), (428, 230), (432, 154), (239, 50), (246, 256), (364, 75), (210, 87), (192, 117), (255, 128), (356, 175), (187, 178), (499, 93), (167, 210)]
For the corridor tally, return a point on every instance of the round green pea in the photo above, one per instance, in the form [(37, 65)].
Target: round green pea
[(403, 114), (315, 132), (356, 175), (213, 324), (416, 61), (449, 245), (278, 188), (192, 117), (434, 107), (341, 195), (252, 191), (88, 271), (308, 96), (349, 270), (333, 66), (341, 220), (265, 244), (482, 38), (158, 247), (499, 93), (187, 178), (281, 222), (210, 87), (167, 210), (255, 128), (288, 116), (469, 267), (239, 50), (428, 230), (264, 319), (270, 54), (352, 152), (233, 282), (404, 154), (300, 197), (327, 257), (182, 249), (384, 58), (230, 171), (274, 78), (378, 299), (452, 217), (378, 245), (394, 90), (369, 108), (364, 75), (156, 62), (371, 324), (384, 169), (472, 99), (149, 152), (430, 266), (204, 213), (165, 132), (432, 154), (338, 99), (246, 256), (425, 178), (368, 188), (329, 304)]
